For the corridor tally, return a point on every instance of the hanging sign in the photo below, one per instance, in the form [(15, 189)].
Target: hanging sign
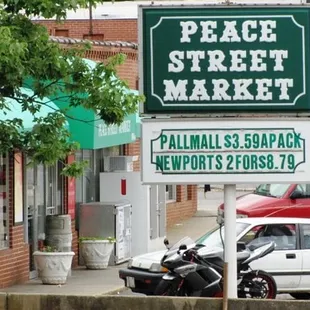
[(224, 59)]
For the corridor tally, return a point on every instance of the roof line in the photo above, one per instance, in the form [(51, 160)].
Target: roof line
[(65, 40)]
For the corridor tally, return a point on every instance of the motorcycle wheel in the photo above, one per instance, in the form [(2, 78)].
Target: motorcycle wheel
[(300, 296), (169, 288), (258, 284)]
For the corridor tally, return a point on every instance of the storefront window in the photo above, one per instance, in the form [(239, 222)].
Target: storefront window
[(88, 186), (85, 187), (4, 201)]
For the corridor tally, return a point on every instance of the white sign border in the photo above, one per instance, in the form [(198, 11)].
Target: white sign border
[(148, 175), (227, 104)]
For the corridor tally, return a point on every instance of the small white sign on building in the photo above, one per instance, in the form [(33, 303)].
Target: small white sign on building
[(225, 152)]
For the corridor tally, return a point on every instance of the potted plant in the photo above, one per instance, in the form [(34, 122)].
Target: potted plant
[(52, 265), (96, 251)]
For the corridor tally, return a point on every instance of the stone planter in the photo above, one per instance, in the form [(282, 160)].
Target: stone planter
[(96, 253), (53, 267)]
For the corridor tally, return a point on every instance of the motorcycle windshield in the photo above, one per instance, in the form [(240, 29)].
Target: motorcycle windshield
[(186, 241)]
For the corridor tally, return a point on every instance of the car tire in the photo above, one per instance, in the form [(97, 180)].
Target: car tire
[(300, 296)]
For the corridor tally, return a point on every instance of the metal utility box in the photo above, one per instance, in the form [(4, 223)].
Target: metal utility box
[(108, 219)]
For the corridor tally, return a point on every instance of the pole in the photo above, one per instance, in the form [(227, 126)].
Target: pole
[(230, 246), (91, 32), (225, 298)]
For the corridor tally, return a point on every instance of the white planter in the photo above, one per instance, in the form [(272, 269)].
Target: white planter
[(96, 253), (53, 267)]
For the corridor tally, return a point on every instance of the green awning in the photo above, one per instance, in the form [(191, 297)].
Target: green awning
[(89, 130), (27, 117)]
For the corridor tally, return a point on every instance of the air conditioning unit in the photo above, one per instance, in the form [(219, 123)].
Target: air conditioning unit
[(118, 163)]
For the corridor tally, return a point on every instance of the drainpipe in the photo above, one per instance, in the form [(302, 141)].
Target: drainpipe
[(90, 19)]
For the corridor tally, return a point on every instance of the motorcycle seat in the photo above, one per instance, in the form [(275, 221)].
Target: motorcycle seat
[(243, 255)]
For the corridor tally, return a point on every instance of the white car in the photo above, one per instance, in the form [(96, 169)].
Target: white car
[(289, 263)]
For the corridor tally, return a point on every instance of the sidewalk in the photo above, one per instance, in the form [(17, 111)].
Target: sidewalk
[(102, 282)]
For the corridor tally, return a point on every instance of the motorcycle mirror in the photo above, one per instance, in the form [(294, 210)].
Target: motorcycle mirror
[(182, 247), (166, 242)]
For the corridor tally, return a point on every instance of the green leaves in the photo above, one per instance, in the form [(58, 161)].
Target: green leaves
[(29, 59)]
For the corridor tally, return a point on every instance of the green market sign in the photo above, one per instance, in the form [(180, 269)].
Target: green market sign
[(219, 150), (224, 59)]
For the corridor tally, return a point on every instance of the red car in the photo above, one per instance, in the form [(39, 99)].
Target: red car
[(273, 200)]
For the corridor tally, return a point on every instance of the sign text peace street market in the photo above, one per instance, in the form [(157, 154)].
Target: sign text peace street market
[(225, 59)]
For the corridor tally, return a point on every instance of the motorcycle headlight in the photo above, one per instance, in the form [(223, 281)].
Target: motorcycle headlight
[(155, 267), (129, 265)]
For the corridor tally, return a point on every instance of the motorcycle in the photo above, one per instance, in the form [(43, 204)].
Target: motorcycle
[(195, 270)]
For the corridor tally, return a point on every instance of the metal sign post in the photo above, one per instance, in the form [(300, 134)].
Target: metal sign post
[(230, 247)]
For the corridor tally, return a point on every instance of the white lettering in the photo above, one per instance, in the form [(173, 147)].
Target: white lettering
[(219, 90), (257, 61), (278, 56), (236, 60), (266, 31), (247, 37), (199, 92), (175, 92), (284, 84), (215, 61), (195, 56), (207, 31), (230, 33), (188, 29), (176, 64), (241, 89), (263, 92)]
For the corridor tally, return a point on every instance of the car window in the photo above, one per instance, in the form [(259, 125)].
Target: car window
[(305, 236), (272, 190), (304, 189), (214, 237), (284, 236)]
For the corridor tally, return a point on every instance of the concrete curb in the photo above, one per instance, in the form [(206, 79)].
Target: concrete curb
[(114, 292)]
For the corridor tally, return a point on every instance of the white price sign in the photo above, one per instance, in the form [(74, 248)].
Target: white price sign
[(222, 151)]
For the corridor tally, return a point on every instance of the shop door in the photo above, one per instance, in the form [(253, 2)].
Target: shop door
[(158, 211), (36, 212)]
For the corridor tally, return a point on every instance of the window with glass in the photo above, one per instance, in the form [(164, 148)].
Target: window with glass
[(4, 201), (88, 185), (304, 190), (283, 235), (216, 236), (171, 193), (272, 190), (305, 236)]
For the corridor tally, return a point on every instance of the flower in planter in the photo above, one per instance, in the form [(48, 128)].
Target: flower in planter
[(48, 248)]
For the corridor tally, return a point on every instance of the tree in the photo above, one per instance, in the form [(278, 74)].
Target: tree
[(27, 54)]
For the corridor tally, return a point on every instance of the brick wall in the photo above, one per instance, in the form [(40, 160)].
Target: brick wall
[(133, 149), (75, 244), (14, 261), (109, 30), (185, 205)]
